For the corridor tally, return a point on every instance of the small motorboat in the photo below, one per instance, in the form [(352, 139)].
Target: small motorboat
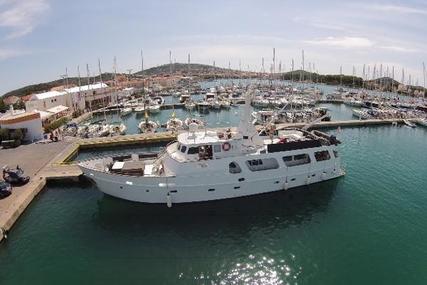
[(184, 98), (159, 100), (203, 106), (225, 104), (15, 176), (200, 124), (125, 111), (139, 109), (147, 126), (117, 129), (190, 105), (174, 124), (83, 130), (104, 130), (5, 189), (153, 109)]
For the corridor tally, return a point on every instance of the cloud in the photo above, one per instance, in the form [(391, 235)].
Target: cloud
[(21, 16), (9, 53), (399, 49), (360, 43), (343, 42), (397, 9)]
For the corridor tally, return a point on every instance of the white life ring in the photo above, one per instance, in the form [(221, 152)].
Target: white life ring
[(226, 146)]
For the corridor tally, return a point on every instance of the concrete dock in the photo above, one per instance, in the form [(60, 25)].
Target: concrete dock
[(36, 160)]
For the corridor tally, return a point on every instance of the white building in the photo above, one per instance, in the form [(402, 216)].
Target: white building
[(75, 98), (30, 121)]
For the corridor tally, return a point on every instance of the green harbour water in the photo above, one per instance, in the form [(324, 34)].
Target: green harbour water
[(368, 227)]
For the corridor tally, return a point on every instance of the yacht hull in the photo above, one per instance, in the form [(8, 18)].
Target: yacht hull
[(212, 187)]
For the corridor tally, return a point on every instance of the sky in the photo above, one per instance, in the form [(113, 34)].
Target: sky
[(39, 39)]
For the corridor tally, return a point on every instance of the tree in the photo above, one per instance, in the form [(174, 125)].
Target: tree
[(3, 107), (4, 134), (19, 105)]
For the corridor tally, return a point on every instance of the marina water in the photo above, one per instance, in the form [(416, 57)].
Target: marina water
[(367, 227)]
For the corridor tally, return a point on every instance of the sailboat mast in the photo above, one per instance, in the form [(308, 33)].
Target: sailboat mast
[(170, 62), (303, 68), (100, 78), (88, 84), (115, 78), (66, 77), (80, 84), (424, 80), (392, 79)]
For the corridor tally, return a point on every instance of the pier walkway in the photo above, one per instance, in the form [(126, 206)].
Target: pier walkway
[(33, 159)]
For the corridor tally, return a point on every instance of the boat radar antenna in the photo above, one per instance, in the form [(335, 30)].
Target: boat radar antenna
[(246, 128)]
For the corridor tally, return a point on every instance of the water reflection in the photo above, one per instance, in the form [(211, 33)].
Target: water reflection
[(237, 241)]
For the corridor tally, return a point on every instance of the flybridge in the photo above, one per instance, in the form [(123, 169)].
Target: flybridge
[(299, 139)]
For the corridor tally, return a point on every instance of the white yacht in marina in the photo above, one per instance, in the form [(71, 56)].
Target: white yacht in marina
[(205, 165)]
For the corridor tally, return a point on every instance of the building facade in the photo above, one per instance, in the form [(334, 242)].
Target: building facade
[(75, 98), (29, 121)]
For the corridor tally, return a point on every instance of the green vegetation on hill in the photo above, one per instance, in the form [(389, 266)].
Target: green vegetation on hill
[(179, 68), (331, 79), (3, 107)]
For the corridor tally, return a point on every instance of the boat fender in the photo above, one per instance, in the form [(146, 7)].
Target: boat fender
[(286, 185), (169, 200), (323, 176), (226, 146), (308, 180)]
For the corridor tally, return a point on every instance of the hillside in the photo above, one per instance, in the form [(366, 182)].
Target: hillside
[(46, 86), (203, 71), (179, 68)]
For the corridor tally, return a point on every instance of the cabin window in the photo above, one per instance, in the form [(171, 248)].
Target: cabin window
[(234, 168), (299, 159), (205, 152), (262, 164), (217, 148), (322, 155), (287, 158), (193, 150), (335, 153), (183, 149)]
